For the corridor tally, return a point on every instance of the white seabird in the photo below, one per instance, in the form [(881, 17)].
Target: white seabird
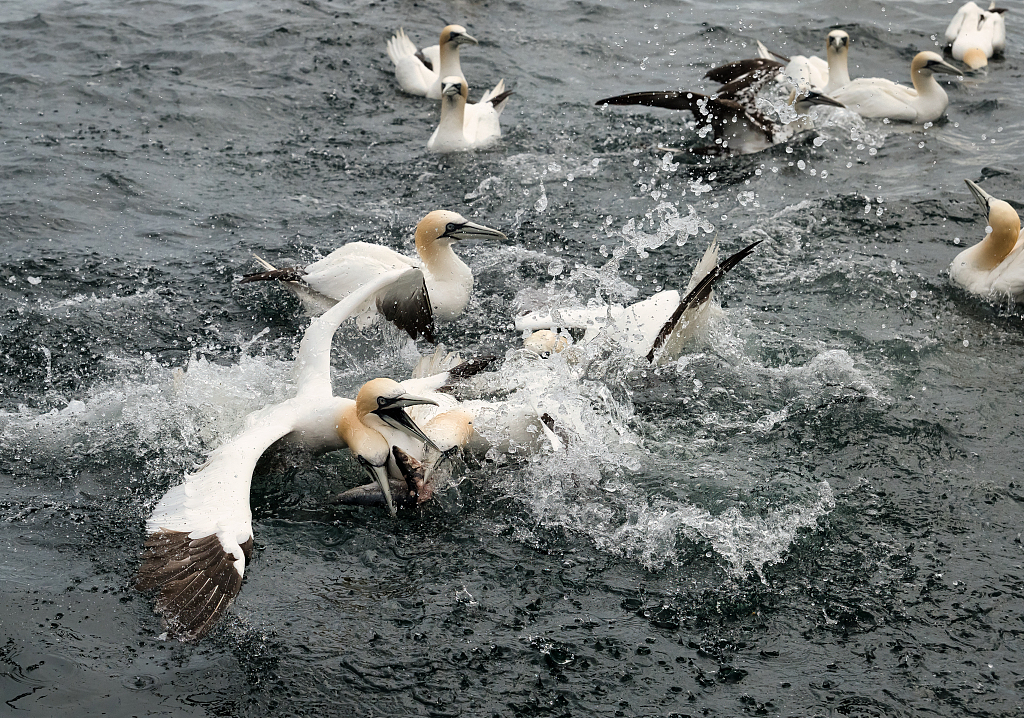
[(465, 126), (994, 267), (812, 72), (200, 532), (420, 72), (878, 97), (738, 126), (656, 328), (975, 35), (436, 286)]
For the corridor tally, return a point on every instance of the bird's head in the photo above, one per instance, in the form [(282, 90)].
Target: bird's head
[(456, 35)]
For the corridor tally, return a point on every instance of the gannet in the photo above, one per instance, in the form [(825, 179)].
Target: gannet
[(464, 126), (738, 126), (200, 532), (435, 287), (993, 268), (813, 72), (878, 97), (420, 72), (976, 35), (657, 328)]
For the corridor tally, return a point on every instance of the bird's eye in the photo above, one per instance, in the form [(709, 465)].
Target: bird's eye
[(451, 227), (381, 401)]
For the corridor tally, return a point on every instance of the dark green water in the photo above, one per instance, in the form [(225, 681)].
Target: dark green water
[(814, 513)]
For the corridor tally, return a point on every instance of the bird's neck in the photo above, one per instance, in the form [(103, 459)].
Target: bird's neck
[(453, 117), (838, 71), (449, 60), (926, 84), (451, 280), (990, 252), (362, 436)]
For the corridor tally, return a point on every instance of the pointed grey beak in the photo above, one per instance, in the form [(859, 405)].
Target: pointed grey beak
[(944, 67), (393, 414), (465, 37), (983, 197), (380, 474), (471, 230)]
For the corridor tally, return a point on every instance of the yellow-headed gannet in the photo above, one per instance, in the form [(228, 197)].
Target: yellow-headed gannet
[(976, 35), (737, 124), (993, 268), (464, 126), (200, 532), (813, 72), (420, 72), (656, 328), (435, 287), (878, 97)]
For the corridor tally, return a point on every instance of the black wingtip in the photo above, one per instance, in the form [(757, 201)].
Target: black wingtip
[(699, 294), (285, 274)]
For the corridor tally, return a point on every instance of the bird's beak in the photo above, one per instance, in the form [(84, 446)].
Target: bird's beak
[(944, 67), (816, 98), (393, 414), (464, 38), (981, 195), (472, 230), (380, 474)]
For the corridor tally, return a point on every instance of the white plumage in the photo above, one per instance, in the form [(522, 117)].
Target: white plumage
[(994, 267), (878, 97), (656, 328), (465, 126), (435, 286), (420, 72), (975, 35)]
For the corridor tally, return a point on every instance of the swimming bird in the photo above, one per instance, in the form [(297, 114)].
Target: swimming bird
[(878, 97), (466, 126), (812, 72), (420, 72), (200, 533), (731, 112), (976, 35), (656, 328), (436, 286), (994, 267)]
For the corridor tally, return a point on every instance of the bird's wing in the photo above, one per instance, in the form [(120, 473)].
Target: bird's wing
[(996, 26), (351, 265), (412, 74), (962, 16), (720, 112), (698, 292), (200, 533), (313, 363), (877, 97), (406, 303)]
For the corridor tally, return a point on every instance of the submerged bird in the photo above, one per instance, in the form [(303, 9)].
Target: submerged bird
[(419, 72), (738, 126), (878, 97), (656, 328), (976, 35), (465, 126), (812, 72), (200, 532), (434, 287), (994, 267)]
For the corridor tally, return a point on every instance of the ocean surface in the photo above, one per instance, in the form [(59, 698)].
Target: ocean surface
[(815, 511)]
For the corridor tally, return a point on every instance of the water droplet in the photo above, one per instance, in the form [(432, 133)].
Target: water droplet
[(966, 343)]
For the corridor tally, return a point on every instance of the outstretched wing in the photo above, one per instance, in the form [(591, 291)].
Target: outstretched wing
[(698, 292), (200, 533)]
